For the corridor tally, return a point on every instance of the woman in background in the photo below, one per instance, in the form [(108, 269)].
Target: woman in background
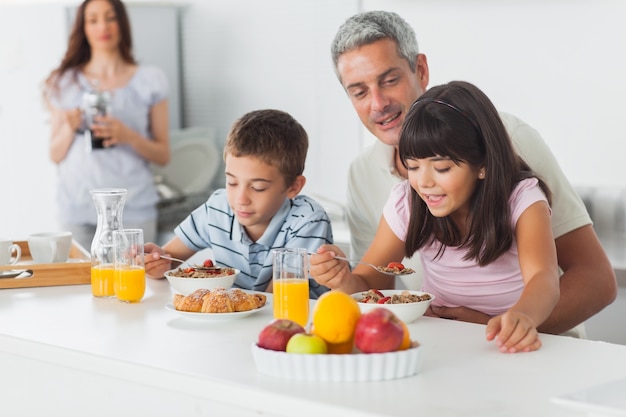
[(99, 58)]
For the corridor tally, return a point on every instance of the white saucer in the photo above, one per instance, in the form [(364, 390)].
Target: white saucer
[(215, 316), (607, 400)]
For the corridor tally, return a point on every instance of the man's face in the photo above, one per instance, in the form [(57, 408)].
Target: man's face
[(382, 86)]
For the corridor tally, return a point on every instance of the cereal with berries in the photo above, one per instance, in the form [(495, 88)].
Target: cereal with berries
[(206, 270), (377, 297), (395, 268)]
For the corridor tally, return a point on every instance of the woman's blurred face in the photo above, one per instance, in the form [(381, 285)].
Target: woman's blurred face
[(101, 27)]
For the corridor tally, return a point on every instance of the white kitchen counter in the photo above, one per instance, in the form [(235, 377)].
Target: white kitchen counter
[(63, 352)]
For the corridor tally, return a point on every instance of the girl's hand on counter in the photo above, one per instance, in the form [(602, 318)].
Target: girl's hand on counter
[(513, 332)]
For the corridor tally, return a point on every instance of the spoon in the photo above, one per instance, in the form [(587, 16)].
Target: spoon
[(15, 273), (381, 269), (198, 267), (170, 258)]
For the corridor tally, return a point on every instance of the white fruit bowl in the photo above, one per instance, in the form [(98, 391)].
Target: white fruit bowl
[(186, 286), (406, 312), (338, 368)]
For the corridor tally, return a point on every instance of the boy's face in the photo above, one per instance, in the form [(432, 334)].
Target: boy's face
[(255, 192)]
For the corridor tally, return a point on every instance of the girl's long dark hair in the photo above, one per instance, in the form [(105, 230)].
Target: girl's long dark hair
[(78, 51), (457, 120)]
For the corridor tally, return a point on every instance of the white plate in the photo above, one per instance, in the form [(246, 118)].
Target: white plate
[(338, 368), (215, 316), (608, 400)]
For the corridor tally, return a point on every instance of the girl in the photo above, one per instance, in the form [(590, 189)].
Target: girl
[(475, 212), (99, 56)]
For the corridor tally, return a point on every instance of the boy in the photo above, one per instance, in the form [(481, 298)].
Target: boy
[(259, 210)]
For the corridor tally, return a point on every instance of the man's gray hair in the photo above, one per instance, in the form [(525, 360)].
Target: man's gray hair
[(369, 27)]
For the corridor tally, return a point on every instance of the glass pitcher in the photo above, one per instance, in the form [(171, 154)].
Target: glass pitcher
[(109, 205)]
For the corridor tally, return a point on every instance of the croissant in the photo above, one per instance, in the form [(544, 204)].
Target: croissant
[(193, 302), (219, 301), (242, 301)]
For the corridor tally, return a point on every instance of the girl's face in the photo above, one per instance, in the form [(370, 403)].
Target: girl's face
[(101, 27), (445, 187)]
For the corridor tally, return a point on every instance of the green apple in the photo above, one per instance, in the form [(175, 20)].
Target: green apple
[(306, 343)]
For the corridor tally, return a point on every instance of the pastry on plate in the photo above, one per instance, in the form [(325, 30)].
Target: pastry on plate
[(219, 300)]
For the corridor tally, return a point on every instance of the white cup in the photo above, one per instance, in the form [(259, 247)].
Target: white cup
[(7, 250), (50, 247)]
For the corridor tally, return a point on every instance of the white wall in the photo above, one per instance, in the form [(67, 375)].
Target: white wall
[(242, 55), (26, 58), (557, 64)]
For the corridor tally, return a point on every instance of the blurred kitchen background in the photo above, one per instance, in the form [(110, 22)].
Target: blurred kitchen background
[(557, 64)]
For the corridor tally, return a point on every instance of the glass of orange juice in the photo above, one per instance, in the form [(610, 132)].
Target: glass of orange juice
[(102, 277), (291, 284), (129, 284)]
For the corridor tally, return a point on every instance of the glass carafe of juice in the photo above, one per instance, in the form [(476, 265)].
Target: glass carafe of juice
[(109, 206)]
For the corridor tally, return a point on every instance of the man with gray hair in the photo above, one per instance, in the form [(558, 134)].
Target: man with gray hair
[(378, 63)]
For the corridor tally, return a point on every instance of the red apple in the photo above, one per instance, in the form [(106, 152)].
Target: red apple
[(276, 335), (378, 331)]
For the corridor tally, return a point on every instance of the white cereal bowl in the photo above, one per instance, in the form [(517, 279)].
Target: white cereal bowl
[(186, 286), (406, 312), (338, 368)]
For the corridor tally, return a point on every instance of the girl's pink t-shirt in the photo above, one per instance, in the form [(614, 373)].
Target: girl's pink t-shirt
[(455, 282)]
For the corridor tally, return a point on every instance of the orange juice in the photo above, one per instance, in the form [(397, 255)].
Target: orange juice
[(291, 300), (102, 280), (130, 283)]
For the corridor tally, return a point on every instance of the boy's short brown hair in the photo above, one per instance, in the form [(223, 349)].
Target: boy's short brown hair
[(274, 137)]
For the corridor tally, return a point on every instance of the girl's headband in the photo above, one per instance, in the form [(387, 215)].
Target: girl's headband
[(432, 100)]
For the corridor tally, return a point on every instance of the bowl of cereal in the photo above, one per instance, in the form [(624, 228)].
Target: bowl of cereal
[(407, 305), (187, 279)]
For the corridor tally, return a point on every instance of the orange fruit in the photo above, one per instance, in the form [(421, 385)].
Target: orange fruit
[(341, 348), (334, 316), (406, 339), (337, 348)]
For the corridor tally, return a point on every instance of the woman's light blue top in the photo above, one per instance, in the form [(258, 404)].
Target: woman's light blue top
[(120, 166)]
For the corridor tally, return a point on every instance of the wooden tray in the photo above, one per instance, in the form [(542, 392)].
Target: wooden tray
[(76, 271)]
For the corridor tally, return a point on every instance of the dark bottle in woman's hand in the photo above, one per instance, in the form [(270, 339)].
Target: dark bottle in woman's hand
[(95, 103)]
